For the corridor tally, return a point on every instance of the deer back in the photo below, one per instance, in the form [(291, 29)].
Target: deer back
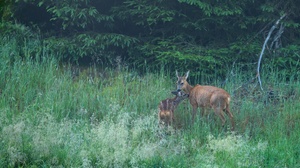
[(209, 96), (167, 104), (172, 103)]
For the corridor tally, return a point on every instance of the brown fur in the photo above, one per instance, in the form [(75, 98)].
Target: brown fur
[(167, 107), (206, 97)]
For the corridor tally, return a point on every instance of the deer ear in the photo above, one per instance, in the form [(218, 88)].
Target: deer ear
[(177, 74), (187, 74), (174, 92)]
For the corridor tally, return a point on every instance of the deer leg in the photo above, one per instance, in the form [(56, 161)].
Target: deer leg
[(230, 117), (169, 118), (219, 113), (172, 117), (203, 111), (194, 113)]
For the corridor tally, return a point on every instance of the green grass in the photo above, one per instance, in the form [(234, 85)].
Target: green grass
[(108, 118)]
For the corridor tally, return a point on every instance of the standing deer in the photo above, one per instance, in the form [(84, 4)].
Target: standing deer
[(206, 97), (167, 107)]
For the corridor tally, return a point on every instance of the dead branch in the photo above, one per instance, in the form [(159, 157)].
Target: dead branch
[(277, 37), (263, 49)]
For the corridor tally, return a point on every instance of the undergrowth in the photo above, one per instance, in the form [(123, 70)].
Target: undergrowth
[(50, 117)]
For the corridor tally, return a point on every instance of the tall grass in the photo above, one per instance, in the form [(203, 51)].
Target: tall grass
[(51, 118)]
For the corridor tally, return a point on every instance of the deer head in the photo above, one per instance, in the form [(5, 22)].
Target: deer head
[(181, 82)]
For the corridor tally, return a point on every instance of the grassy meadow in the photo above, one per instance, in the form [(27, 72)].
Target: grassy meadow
[(54, 115)]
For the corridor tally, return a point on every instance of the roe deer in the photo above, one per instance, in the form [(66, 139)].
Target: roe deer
[(167, 107), (206, 97)]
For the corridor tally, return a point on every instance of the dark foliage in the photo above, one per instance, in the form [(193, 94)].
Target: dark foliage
[(205, 36)]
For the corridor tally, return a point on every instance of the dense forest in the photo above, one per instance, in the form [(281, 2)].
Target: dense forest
[(205, 36)]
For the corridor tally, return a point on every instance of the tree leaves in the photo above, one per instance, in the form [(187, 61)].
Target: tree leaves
[(145, 12), (90, 45), (185, 33)]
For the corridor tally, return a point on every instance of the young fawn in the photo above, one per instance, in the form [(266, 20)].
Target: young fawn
[(206, 97), (167, 107)]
